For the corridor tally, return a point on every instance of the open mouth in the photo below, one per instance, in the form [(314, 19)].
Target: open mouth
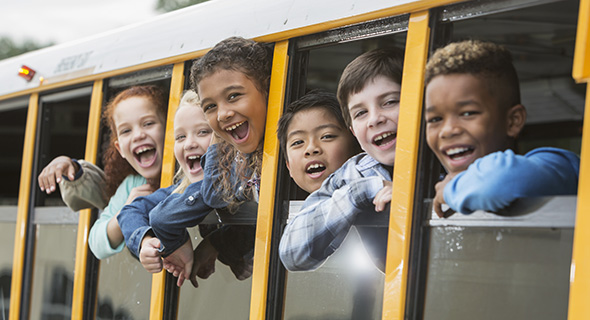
[(145, 156), (459, 153), (193, 162), (315, 169), (239, 130), (385, 138)]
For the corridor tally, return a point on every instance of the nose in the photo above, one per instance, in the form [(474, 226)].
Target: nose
[(313, 147), (139, 134), (190, 142), (224, 113), (450, 129), (375, 119)]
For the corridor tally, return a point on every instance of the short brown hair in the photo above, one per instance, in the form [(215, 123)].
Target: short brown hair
[(488, 61), (387, 62)]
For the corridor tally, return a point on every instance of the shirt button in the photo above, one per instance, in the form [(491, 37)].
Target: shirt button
[(190, 200)]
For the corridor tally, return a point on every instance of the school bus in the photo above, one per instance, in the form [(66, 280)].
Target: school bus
[(533, 264)]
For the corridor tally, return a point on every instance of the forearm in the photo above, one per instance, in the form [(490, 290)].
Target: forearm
[(114, 233), (323, 223), (495, 181)]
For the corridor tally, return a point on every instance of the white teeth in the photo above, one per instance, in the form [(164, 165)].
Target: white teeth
[(234, 126), (454, 151), (194, 157), (383, 136), (144, 149), (315, 166)]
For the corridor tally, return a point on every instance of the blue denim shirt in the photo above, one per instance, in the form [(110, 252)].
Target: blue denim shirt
[(170, 218), (134, 218)]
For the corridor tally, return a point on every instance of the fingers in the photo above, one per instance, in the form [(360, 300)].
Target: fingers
[(180, 280), (194, 281), (382, 198), (438, 208)]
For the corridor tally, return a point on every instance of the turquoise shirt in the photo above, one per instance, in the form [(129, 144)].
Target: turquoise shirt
[(98, 239)]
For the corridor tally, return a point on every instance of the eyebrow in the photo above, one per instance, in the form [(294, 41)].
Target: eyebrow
[(224, 91), (460, 104), (318, 128), (379, 97)]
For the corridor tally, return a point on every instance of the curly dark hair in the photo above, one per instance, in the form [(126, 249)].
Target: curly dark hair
[(251, 58), (116, 168), (387, 62), (254, 60), (487, 61)]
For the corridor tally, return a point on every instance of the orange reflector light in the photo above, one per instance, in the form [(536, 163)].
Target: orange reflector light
[(26, 72)]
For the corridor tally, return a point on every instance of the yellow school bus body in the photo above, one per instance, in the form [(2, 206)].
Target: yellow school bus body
[(183, 35)]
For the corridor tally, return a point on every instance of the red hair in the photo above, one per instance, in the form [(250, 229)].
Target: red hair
[(116, 168)]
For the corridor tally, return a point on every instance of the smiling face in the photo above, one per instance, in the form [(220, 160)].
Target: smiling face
[(234, 107), (316, 146), (374, 112), (192, 136), (465, 122), (140, 135)]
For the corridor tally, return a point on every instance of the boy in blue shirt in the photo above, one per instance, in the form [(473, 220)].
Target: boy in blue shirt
[(473, 117), (368, 92)]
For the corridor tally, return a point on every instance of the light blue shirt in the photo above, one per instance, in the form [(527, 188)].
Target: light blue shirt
[(493, 182), (98, 239)]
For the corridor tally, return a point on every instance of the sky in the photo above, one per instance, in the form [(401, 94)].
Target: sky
[(61, 21)]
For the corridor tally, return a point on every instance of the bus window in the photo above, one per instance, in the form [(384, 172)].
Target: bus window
[(61, 131), (523, 268), (222, 287), (220, 296), (13, 116), (348, 284), (123, 285)]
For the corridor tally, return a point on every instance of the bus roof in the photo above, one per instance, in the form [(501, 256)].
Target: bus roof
[(189, 30)]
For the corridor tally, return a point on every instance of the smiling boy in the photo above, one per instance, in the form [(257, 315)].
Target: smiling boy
[(473, 117), (368, 92), (314, 139)]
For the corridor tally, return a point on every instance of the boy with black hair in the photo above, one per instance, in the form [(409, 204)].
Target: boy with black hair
[(473, 117), (314, 139), (368, 92)]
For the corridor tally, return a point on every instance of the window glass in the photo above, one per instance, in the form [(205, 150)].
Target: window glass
[(53, 275), (498, 273), (220, 296), (6, 252)]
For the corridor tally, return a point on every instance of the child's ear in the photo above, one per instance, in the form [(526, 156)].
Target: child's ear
[(352, 130), (288, 168), (516, 118), (119, 148)]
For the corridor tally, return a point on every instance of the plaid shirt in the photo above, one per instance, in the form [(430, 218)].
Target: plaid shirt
[(328, 213)]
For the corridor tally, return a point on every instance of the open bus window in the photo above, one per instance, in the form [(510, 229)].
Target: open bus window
[(123, 286), (524, 268), (352, 276), (62, 131), (13, 118)]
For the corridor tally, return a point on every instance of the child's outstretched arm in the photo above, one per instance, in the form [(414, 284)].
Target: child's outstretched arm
[(170, 218), (493, 182), (209, 163), (99, 239), (325, 219), (134, 218)]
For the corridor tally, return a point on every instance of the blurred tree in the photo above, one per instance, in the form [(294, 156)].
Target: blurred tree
[(9, 48), (171, 5)]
